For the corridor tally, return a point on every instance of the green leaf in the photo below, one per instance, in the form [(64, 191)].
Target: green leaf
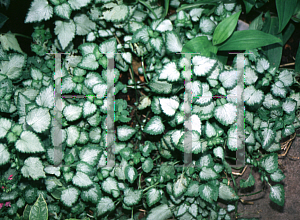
[(227, 193), (33, 168), (81, 180), (132, 197), (247, 40), (257, 23), (277, 194), (225, 28), (5, 155), (65, 32), (153, 196), (39, 10), (29, 142), (105, 205), (39, 210), (3, 19), (110, 185), (270, 162), (285, 10), (131, 174), (200, 45), (180, 186), (208, 173), (5, 126), (160, 212), (277, 176), (9, 41), (155, 126), (125, 132), (147, 165), (248, 183), (297, 61), (209, 192), (39, 119), (249, 5)]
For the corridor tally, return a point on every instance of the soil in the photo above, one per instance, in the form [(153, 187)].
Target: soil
[(263, 208)]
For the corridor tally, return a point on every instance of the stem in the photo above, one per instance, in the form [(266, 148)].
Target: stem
[(149, 7), (21, 35), (251, 193), (150, 186)]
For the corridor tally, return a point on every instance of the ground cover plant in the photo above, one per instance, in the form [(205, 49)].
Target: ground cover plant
[(183, 50)]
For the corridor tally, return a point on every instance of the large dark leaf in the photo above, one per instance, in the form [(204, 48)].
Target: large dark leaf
[(225, 28), (200, 45), (248, 39), (285, 10)]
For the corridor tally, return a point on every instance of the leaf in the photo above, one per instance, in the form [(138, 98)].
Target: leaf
[(208, 173), (268, 137), (131, 174), (39, 210), (277, 194), (125, 132), (147, 165), (228, 79), (270, 162), (46, 97), (180, 186), (160, 212), (200, 45), (257, 23), (153, 196), (277, 176), (33, 168), (69, 196), (81, 180), (247, 40), (38, 11), (29, 142), (77, 4), (203, 65), (248, 183), (170, 72), (155, 126), (64, 10), (13, 68), (209, 192), (116, 13), (172, 42), (297, 61), (105, 205), (285, 10), (4, 155), (132, 197), (226, 114), (9, 41), (3, 19), (219, 152), (65, 31), (225, 28), (110, 185), (169, 105), (5, 125), (83, 24), (39, 119), (227, 193)]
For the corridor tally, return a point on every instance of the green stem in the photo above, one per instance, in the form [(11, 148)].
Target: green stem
[(150, 187), (251, 193), (149, 7), (21, 35)]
